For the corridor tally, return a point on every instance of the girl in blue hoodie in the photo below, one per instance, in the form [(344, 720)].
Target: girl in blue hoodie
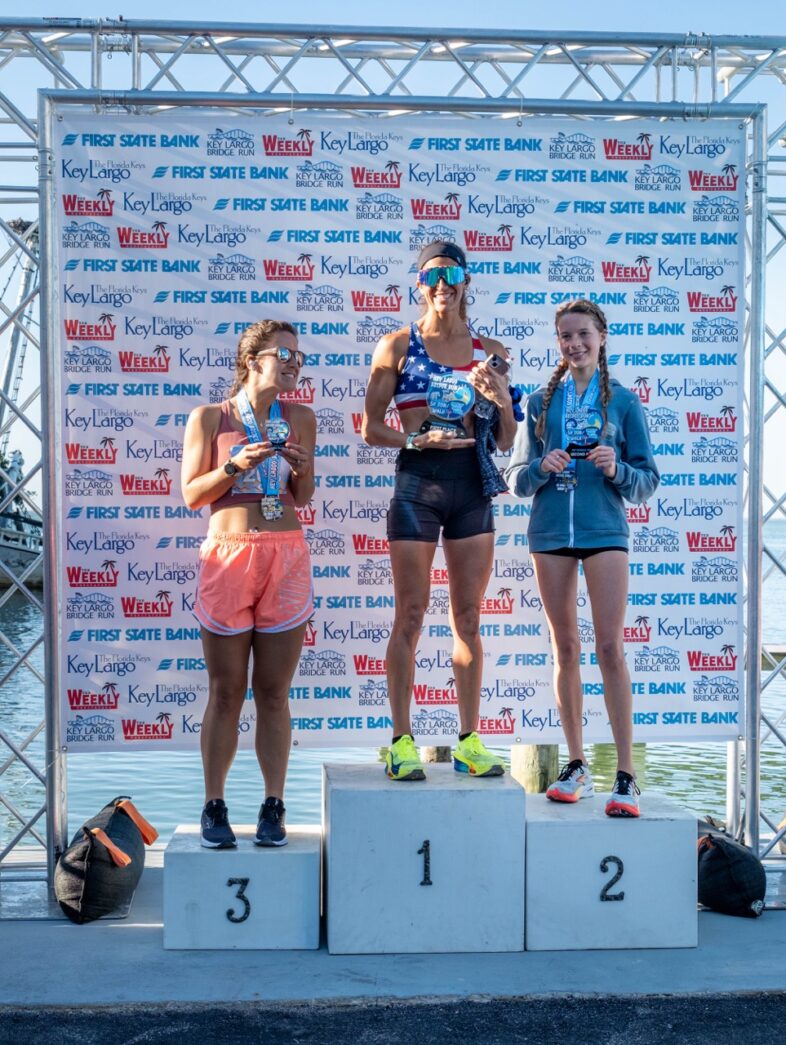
[(582, 451)]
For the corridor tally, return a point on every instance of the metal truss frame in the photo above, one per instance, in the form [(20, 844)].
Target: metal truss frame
[(379, 73)]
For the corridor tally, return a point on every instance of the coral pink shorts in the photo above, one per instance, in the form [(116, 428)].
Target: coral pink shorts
[(259, 581)]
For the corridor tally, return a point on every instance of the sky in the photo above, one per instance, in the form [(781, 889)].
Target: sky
[(667, 16)]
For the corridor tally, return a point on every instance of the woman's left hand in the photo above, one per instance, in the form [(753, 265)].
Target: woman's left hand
[(298, 457), (604, 458), (489, 383)]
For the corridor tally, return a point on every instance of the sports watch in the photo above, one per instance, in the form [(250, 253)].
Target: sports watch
[(230, 468), (410, 443)]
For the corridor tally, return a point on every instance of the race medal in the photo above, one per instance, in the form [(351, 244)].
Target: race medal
[(566, 481), (450, 397), (277, 432), (271, 508)]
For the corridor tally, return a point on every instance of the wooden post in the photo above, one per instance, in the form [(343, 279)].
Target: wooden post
[(535, 766)]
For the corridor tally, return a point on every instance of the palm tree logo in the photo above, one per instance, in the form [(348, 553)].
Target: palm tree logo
[(159, 351), (392, 290), (642, 623), (105, 319), (730, 170), (727, 291), (505, 230), (165, 718), (109, 691), (105, 197), (727, 651), (305, 260), (162, 474), (164, 596), (159, 226), (727, 531), (452, 198), (306, 382), (505, 594), (506, 713), (644, 140), (304, 134), (641, 382), (393, 167), (109, 566), (642, 261)]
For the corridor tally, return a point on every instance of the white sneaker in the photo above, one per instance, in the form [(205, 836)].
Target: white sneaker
[(573, 783)]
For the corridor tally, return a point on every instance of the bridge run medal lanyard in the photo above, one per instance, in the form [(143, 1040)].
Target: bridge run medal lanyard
[(581, 424), (268, 471)]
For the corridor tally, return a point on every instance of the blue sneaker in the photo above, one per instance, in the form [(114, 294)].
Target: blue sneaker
[(270, 828), (216, 832)]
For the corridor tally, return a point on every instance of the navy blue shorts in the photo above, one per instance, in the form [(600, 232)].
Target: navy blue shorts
[(583, 553), (438, 490)]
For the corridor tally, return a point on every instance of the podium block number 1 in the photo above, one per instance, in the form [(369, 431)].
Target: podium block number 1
[(605, 895), (242, 884), (425, 852)]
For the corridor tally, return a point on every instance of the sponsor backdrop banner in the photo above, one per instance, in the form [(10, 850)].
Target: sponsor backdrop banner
[(174, 233)]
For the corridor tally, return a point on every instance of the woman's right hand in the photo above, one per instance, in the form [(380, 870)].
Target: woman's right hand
[(252, 454), (441, 439), (555, 461)]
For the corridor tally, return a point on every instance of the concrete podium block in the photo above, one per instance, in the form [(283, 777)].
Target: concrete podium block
[(597, 883), (249, 898), (423, 867)]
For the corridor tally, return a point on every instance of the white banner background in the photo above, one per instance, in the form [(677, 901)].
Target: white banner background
[(174, 233)]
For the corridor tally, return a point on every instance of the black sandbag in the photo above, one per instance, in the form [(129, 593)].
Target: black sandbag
[(732, 879), (88, 882)]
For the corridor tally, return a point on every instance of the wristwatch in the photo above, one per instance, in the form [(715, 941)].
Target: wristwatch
[(410, 443), (230, 468)]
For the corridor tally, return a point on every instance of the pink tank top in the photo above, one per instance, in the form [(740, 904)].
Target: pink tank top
[(227, 443)]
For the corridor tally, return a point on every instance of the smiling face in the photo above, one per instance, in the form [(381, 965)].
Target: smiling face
[(271, 370), (443, 299), (580, 340)]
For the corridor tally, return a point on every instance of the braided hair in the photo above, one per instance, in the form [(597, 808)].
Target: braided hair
[(596, 314)]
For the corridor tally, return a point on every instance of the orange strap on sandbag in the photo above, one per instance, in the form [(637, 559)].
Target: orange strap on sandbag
[(119, 858), (146, 829)]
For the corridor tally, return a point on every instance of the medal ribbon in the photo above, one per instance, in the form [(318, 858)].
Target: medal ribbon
[(269, 471), (572, 405)]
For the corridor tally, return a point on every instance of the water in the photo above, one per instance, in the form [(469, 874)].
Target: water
[(168, 787)]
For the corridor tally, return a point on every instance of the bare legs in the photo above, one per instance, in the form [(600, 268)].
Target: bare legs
[(607, 585), (275, 659), (469, 563)]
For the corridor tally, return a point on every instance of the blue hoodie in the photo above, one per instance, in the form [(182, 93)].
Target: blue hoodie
[(593, 514)]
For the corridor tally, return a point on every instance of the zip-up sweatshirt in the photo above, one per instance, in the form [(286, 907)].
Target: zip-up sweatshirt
[(592, 515)]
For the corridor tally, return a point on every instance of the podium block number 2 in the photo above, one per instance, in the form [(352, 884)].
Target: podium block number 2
[(605, 895), (242, 884)]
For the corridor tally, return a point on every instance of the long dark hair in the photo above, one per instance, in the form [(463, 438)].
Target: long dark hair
[(596, 314)]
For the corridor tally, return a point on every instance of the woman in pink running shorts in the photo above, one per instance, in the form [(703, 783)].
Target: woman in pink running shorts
[(251, 459)]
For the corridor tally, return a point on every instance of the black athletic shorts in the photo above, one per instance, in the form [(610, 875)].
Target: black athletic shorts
[(583, 553), (438, 489)]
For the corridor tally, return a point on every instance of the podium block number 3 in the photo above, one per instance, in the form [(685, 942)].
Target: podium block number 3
[(605, 895), (242, 884)]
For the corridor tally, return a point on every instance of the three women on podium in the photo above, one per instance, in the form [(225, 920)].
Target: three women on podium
[(434, 370), (251, 460), (584, 447)]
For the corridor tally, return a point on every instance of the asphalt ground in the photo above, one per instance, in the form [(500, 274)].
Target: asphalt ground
[(744, 1019)]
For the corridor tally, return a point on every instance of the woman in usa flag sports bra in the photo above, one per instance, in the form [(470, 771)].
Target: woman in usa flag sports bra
[(440, 486)]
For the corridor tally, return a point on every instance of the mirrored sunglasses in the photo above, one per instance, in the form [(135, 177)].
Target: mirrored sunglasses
[(284, 354), (452, 275)]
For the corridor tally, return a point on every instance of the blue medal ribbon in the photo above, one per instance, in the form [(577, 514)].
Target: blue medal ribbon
[(269, 471), (575, 408)]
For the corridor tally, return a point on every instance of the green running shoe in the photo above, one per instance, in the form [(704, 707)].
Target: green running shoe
[(472, 756), (402, 762)]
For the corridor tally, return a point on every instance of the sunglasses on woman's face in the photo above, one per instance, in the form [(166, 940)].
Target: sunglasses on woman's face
[(285, 354), (452, 275)]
